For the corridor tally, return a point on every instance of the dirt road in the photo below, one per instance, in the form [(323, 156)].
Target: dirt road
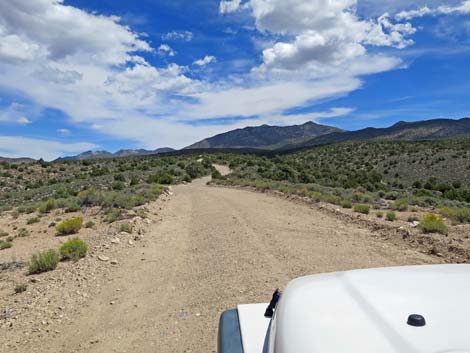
[(212, 249)]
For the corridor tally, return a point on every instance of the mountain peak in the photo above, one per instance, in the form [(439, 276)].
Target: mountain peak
[(265, 136)]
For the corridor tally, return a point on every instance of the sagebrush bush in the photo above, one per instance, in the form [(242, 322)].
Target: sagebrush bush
[(73, 249), (391, 216), (432, 223), (346, 204), (23, 232), (112, 215), (399, 205), (20, 288), (70, 226), (457, 215), (47, 206), (125, 227), (5, 245), (32, 220), (89, 224), (361, 208), (43, 261)]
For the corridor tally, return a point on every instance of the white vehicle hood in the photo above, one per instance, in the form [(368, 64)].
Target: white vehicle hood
[(366, 311)]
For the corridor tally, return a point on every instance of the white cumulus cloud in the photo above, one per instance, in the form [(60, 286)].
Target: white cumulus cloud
[(321, 33), (178, 35), (165, 49), (461, 9), (205, 60)]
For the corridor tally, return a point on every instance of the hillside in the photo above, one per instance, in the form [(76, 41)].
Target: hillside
[(401, 131), (119, 154), (373, 168), (265, 136), (16, 160)]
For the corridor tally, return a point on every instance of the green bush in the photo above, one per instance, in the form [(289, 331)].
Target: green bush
[(70, 226), (432, 223), (125, 227), (47, 206), (346, 204), (399, 205), (360, 208), (112, 215), (73, 249), (23, 232), (32, 220), (43, 261), (20, 288), (457, 215), (141, 213), (391, 216), (89, 224), (216, 174), (5, 245)]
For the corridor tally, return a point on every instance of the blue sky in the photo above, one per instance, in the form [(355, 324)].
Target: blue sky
[(111, 74)]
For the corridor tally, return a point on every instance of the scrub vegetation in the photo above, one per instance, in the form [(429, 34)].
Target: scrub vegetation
[(364, 175), (112, 184)]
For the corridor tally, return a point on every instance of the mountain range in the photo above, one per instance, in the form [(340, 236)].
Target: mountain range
[(286, 138), (121, 153), (17, 160), (312, 134), (266, 137)]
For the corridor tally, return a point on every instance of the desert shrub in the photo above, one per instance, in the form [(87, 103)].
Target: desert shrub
[(216, 174), (5, 245), (90, 197), (112, 215), (47, 206), (32, 220), (73, 249), (89, 224), (457, 215), (26, 209), (71, 204), (141, 213), (379, 214), (195, 169), (391, 216), (346, 204), (432, 223), (23, 232), (70, 226), (361, 208), (118, 185), (399, 205), (161, 178), (125, 227), (20, 288), (43, 261)]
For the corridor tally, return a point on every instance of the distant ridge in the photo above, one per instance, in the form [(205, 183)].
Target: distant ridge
[(265, 136), (401, 131), (17, 160), (119, 154)]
